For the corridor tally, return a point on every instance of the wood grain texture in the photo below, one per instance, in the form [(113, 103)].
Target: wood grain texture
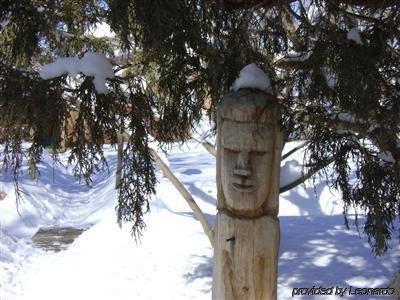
[(246, 258)]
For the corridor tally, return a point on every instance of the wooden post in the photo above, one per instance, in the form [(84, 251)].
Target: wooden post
[(249, 148)]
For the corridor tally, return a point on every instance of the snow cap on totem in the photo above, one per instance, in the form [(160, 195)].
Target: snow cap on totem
[(249, 97), (251, 76)]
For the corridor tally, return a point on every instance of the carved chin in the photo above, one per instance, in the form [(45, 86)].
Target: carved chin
[(245, 188)]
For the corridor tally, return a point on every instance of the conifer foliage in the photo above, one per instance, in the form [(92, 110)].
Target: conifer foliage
[(334, 66)]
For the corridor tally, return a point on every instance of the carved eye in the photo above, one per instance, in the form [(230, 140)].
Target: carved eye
[(257, 153), (230, 150)]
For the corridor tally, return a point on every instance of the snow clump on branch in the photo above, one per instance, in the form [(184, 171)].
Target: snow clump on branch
[(91, 64), (252, 77), (291, 171), (354, 35)]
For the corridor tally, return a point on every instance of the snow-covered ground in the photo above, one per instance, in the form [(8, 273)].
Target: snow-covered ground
[(174, 258)]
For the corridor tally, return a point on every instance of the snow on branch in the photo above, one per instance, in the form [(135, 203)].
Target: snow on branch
[(92, 64), (347, 122), (354, 35), (294, 60)]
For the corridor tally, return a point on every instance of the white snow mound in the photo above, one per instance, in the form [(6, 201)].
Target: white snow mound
[(290, 171), (63, 65), (92, 64), (253, 77), (103, 30), (354, 35)]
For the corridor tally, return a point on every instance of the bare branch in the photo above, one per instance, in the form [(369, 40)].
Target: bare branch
[(286, 155), (186, 195), (310, 172), (210, 148)]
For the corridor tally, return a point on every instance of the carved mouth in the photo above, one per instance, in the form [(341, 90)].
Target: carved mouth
[(243, 187)]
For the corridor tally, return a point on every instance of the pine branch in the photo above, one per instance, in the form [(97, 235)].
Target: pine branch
[(120, 153), (242, 4), (378, 136)]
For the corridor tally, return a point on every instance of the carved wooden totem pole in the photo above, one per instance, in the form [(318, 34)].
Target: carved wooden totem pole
[(249, 146)]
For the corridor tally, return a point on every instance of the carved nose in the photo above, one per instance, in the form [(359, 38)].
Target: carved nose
[(243, 167)]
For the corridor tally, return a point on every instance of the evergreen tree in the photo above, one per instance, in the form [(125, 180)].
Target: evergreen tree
[(334, 66)]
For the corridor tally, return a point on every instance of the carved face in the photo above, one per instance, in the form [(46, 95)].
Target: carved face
[(246, 162)]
